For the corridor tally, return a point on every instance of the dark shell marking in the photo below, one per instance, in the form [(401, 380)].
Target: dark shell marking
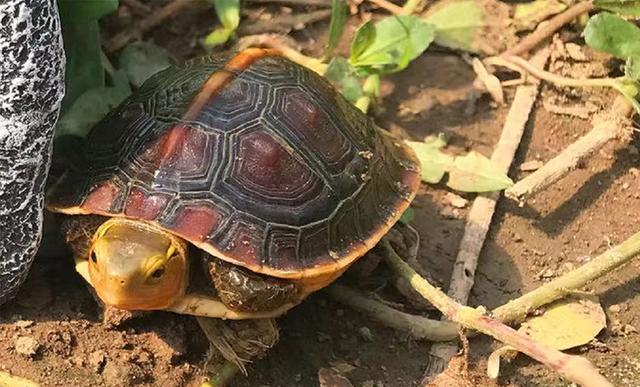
[(251, 157)]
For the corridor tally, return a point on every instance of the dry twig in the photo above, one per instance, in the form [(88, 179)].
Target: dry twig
[(314, 3), (140, 28), (575, 368), (283, 45), (419, 327), (283, 23), (545, 30), (479, 219), (606, 126), (389, 6)]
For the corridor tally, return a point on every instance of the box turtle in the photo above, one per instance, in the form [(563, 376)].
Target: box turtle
[(247, 163)]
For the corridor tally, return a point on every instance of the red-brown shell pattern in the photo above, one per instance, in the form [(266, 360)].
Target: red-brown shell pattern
[(272, 170)]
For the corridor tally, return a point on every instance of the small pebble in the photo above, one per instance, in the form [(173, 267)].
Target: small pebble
[(365, 333), (456, 200), (27, 346), (24, 323), (614, 308), (530, 166)]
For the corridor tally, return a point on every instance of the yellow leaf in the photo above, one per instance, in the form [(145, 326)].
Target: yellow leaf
[(8, 380), (567, 323)]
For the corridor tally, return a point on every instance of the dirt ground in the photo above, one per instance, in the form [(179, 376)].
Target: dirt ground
[(53, 332)]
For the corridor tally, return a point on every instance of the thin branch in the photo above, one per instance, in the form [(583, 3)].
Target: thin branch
[(575, 368), (419, 327), (281, 44), (314, 3), (545, 30), (389, 6), (482, 210), (283, 23), (154, 19), (606, 126), (516, 310), (410, 6), (519, 64)]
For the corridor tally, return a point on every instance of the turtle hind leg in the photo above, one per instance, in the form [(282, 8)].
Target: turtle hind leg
[(245, 291), (240, 342)]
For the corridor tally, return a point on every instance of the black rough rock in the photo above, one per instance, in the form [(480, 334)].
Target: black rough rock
[(31, 90)]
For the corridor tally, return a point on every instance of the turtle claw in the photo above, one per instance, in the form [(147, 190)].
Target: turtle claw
[(239, 342)]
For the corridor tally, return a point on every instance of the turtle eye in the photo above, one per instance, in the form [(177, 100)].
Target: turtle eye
[(157, 273), (94, 257)]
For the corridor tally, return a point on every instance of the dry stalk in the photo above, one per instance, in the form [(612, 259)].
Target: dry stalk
[(575, 368), (545, 30), (314, 3), (479, 219), (389, 6), (154, 19), (419, 327), (606, 126), (283, 23)]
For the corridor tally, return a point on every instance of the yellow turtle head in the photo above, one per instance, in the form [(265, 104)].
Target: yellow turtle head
[(137, 266)]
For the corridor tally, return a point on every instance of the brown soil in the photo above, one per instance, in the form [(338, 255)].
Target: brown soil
[(53, 332)]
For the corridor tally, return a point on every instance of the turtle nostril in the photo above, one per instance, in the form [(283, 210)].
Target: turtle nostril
[(121, 282)]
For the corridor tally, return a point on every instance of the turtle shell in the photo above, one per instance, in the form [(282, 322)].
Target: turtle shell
[(251, 157)]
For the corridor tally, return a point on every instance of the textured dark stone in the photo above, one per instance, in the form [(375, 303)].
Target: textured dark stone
[(31, 90)]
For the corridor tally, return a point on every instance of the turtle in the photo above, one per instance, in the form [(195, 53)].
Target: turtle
[(243, 172), (31, 93)]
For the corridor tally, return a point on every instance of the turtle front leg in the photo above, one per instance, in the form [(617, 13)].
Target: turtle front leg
[(77, 231), (246, 291)]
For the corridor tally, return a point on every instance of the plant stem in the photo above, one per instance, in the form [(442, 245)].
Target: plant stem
[(516, 310), (545, 30), (419, 327), (575, 368), (276, 42), (607, 126), (410, 6), (550, 77), (221, 375), (394, 9)]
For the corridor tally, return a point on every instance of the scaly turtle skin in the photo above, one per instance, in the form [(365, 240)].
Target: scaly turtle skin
[(31, 90), (249, 157)]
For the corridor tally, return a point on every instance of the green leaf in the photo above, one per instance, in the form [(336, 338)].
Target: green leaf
[(340, 72), (364, 37), (407, 216), (86, 10), (457, 24), (398, 40), (434, 162), (141, 60), (228, 12), (217, 37), (621, 7), (92, 106), (337, 69), (632, 68), (84, 68), (336, 25), (613, 35), (476, 173), (351, 88)]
